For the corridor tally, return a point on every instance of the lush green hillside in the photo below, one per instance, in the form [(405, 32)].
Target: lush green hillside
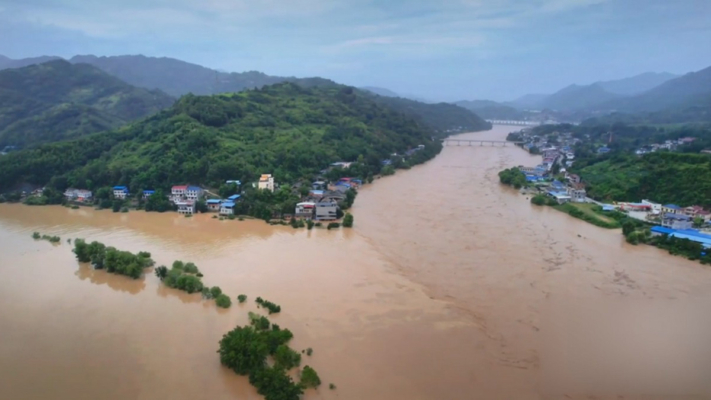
[(441, 117), (576, 97), (6, 62), (680, 178), (284, 129), (57, 100)]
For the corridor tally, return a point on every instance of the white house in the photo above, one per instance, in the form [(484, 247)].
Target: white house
[(656, 207), (577, 193), (266, 182), (193, 192), (305, 210), (185, 206), (80, 195), (120, 192), (177, 192), (227, 208), (214, 204)]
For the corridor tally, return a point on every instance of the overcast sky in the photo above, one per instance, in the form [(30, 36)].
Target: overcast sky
[(435, 49)]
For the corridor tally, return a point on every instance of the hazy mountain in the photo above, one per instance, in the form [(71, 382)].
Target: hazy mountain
[(636, 84), (6, 62), (488, 109), (59, 100), (528, 101), (686, 91), (380, 91), (576, 97)]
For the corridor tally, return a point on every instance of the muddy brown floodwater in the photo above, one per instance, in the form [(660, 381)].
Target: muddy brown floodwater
[(439, 292)]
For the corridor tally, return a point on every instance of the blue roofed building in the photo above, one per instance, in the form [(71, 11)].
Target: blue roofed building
[(690, 234), (234, 198), (148, 193), (677, 221), (120, 192), (672, 209), (233, 182), (603, 150), (227, 208), (214, 204)]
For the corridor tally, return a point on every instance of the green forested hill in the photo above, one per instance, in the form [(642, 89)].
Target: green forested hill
[(58, 100), (680, 178), (284, 129), (441, 116)]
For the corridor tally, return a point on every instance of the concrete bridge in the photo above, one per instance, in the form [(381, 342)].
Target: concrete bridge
[(513, 122), (477, 142)]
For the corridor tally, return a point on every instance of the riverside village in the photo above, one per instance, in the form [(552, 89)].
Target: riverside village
[(645, 221)]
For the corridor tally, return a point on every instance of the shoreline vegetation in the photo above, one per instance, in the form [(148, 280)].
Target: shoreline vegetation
[(259, 350)]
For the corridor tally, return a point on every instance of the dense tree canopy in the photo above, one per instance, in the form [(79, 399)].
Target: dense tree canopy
[(289, 131), (57, 100)]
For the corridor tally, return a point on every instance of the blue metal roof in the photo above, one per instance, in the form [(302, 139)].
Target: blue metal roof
[(120, 188), (149, 191), (691, 234), (607, 207), (680, 217), (194, 188), (228, 204), (672, 206), (234, 197), (214, 201)]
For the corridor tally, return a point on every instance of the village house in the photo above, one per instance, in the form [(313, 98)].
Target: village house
[(560, 197), (234, 198), (676, 221), (233, 182), (333, 196), (148, 193), (316, 194), (305, 210), (326, 211), (185, 206), (80, 195), (577, 193), (193, 193), (178, 192), (656, 208), (227, 208), (697, 211), (690, 234), (214, 205), (266, 182), (120, 192), (672, 209), (573, 179)]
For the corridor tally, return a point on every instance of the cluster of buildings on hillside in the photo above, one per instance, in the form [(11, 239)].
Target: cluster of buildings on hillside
[(670, 145), (321, 203)]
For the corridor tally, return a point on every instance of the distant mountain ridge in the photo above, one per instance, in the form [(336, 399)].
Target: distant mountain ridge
[(58, 100), (380, 91), (489, 109), (582, 97)]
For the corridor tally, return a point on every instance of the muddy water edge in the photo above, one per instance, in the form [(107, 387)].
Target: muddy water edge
[(437, 293)]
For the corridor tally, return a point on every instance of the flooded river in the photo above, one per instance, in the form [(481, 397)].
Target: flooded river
[(442, 290)]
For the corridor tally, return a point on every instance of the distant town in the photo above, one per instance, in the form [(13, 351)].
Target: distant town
[(551, 179)]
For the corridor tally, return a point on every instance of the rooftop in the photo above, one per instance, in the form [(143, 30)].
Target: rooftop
[(228, 204), (678, 217), (214, 201), (672, 206), (234, 197)]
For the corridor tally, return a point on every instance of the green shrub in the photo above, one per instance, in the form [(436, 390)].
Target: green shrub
[(216, 291), (242, 298), (222, 300), (36, 235), (538, 200), (348, 221), (331, 386), (333, 225), (309, 378)]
